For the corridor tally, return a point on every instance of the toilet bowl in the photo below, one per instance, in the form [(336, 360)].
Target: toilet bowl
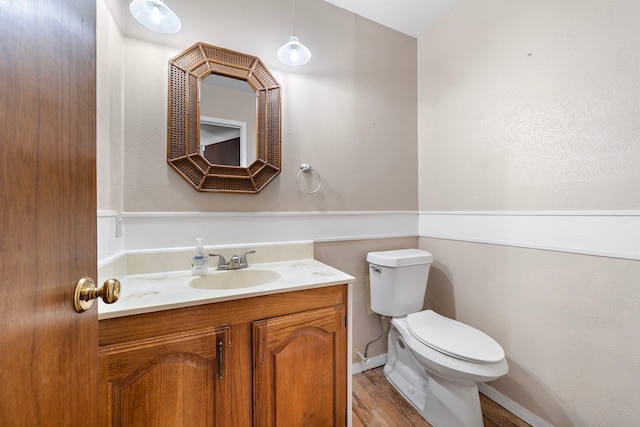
[(436, 363), (441, 386)]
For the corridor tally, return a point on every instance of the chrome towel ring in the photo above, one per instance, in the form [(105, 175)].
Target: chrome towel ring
[(305, 167)]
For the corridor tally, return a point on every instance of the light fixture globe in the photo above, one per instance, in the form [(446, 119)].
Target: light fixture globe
[(294, 53), (156, 16)]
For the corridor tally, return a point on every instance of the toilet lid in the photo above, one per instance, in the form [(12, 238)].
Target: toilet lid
[(454, 338)]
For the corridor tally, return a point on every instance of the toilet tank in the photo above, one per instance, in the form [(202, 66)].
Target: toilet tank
[(398, 280)]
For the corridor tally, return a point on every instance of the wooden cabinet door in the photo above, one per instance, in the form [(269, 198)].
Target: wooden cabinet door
[(300, 369), (174, 380)]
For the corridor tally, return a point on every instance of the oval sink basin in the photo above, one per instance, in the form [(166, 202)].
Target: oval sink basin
[(234, 279)]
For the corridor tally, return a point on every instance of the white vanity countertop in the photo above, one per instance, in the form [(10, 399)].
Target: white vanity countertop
[(145, 293)]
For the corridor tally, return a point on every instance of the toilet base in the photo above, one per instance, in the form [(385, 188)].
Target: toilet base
[(442, 402)]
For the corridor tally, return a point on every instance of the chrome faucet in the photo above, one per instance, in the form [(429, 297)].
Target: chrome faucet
[(235, 262)]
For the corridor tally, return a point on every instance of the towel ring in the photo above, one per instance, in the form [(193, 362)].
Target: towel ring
[(307, 168)]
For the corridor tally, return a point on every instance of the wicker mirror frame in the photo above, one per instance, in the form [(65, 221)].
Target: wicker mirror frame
[(186, 72)]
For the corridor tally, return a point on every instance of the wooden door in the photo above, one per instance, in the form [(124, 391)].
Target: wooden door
[(176, 380), (48, 352), (300, 369)]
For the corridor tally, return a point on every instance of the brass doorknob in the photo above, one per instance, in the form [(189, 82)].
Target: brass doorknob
[(86, 292)]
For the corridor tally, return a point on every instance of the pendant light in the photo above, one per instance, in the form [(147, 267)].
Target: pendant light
[(293, 52), (156, 16)]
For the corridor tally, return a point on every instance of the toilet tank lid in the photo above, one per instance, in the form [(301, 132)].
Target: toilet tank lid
[(400, 257)]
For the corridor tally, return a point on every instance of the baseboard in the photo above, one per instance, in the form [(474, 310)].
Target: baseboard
[(371, 363), (511, 406)]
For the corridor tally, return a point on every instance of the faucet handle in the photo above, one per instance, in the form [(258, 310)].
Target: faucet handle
[(234, 263), (243, 259), (222, 263)]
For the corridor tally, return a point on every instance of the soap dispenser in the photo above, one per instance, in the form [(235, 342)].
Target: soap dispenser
[(200, 260)]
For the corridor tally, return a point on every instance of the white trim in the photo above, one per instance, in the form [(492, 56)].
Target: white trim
[(349, 354), (109, 243), (511, 406), (601, 233), (371, 363), (157, 230), (537, 213), (103, 213), (371, 237), (110, 259), (217, 247), (235, 124), (613, 234), (269, 214)]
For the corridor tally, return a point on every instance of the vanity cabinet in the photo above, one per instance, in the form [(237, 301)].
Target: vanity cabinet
[(273, 360), (172, 380), (300, 372)]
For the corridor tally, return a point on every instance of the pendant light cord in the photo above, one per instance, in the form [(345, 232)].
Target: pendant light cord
[(293, 53), (294, 17)]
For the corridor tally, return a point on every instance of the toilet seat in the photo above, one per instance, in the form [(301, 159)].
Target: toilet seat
[(453, 338)]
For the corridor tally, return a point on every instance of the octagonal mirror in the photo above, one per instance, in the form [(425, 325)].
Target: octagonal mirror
[(224, 127)]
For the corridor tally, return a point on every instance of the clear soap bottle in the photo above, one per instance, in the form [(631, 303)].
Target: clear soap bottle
[(199, 260)]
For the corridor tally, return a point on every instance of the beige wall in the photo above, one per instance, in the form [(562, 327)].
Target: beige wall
[(534, 106), (531, 106), (109, 108), (351, 257), (568, 324), (351, 113)]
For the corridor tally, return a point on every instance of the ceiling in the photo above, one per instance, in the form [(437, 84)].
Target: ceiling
[(412, 17)]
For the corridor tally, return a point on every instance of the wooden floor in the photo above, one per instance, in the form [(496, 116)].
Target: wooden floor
[(376, 403)]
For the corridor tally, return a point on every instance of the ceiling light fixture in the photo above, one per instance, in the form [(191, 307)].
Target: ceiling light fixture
[(293, 52), (156, 16)]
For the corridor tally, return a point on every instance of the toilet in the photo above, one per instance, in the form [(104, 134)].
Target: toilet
[(436, 363)]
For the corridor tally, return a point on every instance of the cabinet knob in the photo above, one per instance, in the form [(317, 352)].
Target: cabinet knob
[(87, 291)]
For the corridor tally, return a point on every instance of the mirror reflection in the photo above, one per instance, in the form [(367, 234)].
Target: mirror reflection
[(227, 121)]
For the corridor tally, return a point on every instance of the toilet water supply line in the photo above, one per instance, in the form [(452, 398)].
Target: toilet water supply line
[(363, 357)]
